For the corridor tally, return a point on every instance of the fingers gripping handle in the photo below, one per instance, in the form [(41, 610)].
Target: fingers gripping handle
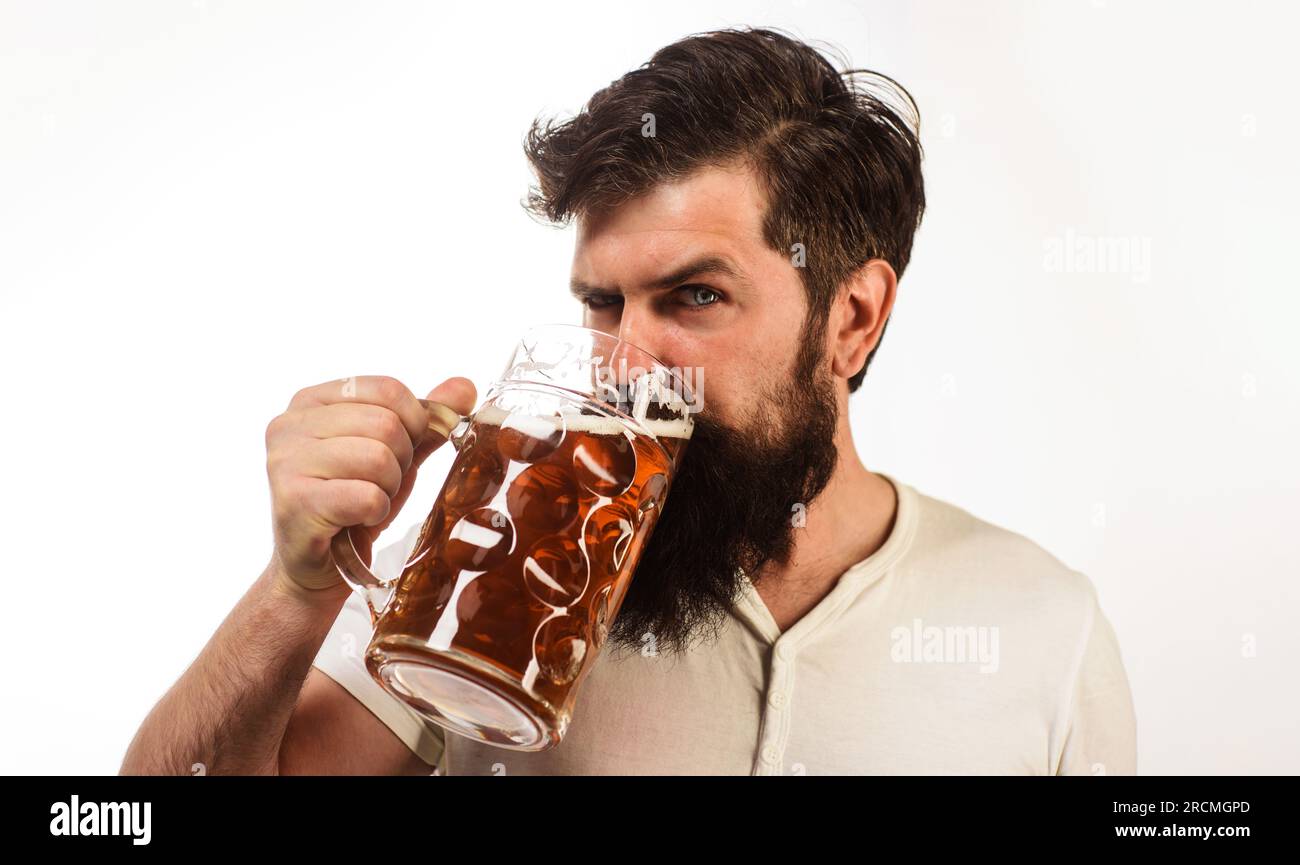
[(443, 420), (445, 423)]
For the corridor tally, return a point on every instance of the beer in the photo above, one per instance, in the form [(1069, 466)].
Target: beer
[(522, 565)]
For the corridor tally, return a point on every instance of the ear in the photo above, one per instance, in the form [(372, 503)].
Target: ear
[(862, 306)]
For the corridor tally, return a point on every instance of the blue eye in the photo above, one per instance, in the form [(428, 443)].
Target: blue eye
[(694, 292)]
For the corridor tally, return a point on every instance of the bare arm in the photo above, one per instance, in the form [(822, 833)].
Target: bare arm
[(251, 703), (332, 733), (244, 708), (228, 712)]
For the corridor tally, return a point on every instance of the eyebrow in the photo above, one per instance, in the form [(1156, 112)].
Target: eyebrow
[(710, 264)]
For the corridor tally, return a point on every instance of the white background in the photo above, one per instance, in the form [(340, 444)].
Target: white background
[(205, 206)]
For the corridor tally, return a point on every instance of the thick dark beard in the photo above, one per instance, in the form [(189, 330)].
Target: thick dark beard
[(730, 509)]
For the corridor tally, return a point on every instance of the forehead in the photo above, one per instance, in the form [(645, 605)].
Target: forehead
[(716, 210)]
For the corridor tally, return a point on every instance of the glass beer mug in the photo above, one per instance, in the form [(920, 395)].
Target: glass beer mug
[(520, 568)]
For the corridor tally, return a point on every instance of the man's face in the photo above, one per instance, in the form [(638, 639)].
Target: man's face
[(684, 273), (632, 267)]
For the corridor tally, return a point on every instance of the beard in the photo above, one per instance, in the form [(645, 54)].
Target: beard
[(730, 510)]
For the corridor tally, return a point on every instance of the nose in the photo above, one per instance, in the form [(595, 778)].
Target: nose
[(637, 322), (638, 326), (646, 328)]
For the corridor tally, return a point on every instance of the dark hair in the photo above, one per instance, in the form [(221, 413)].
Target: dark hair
[(840, 164)]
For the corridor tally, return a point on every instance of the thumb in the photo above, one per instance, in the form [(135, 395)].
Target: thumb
[(458, 394)]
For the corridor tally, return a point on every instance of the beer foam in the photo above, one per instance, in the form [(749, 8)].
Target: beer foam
[(590, 423)]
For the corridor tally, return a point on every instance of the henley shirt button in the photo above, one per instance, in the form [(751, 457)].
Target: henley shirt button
[(777, 699), (769, 754)]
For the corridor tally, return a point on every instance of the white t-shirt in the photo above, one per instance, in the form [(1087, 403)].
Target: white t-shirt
[(958, 647)]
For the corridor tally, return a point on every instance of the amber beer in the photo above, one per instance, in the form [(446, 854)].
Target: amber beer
[(521, 567)]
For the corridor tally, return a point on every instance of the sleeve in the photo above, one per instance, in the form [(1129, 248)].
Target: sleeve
[(1101, 729), (342, 658)]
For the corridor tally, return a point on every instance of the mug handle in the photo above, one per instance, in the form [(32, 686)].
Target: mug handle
[(444, 422)]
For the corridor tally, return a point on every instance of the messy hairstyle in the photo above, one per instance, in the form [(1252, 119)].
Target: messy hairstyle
[(837, 152)]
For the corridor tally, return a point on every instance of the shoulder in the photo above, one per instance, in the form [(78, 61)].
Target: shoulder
[(964, 569), (963, 554)]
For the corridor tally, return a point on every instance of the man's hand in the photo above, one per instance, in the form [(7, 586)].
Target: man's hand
[(345, 453)]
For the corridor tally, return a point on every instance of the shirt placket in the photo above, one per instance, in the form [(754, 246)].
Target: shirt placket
[(775, 727)]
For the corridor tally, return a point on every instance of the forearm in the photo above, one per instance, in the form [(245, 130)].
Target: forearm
[(229, 710)]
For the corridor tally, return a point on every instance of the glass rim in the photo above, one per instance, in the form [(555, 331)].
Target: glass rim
[(683, 388)]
